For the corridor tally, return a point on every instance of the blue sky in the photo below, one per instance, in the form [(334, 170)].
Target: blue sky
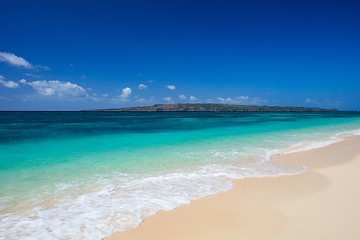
[(71, 55)]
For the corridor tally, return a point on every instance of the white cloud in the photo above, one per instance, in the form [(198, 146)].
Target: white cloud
[(56, 88), (142, 86), (141, 100), (14, 60), (171, 87), (105, 95), (192, 98), (167, 99), (182, 97), (123, 97), (8, 84), (308, 100), (95, 99), (126, 92), (245, 98), (242, 100), (46, 68), (32, 75)]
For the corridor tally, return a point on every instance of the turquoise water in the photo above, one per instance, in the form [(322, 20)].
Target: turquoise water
[(84, 175)]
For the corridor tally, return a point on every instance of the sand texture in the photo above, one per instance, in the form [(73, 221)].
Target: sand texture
[(321, 203)]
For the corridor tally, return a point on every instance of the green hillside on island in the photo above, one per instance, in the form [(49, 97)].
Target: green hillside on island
[(212, 107)]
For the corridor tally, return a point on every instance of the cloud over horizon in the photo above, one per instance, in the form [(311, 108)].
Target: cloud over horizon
[(8, 84), (182, 97), (242, 100), (168, 99), (192, 99), (56, 88), (126, 92)]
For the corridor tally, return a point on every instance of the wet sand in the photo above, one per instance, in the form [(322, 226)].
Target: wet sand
[(321, 203)]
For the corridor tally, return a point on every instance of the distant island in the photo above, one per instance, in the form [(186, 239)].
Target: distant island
[(212, 107)]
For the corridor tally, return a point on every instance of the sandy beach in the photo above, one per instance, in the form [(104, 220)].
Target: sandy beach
[(321, 203)]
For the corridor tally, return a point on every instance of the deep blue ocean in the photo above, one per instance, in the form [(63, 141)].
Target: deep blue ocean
[(85, 175)]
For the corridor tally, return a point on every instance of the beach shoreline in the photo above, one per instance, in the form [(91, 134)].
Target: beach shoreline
[(320, 203)]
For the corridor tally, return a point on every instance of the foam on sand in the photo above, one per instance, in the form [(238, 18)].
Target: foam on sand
[(122, 202)]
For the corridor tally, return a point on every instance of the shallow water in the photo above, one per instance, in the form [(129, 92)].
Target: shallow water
[(84, 175)]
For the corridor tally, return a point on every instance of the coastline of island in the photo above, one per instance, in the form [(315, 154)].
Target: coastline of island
[(212, 107)]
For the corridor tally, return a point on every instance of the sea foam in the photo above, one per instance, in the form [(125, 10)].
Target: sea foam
[(122, 206), (124, 201)]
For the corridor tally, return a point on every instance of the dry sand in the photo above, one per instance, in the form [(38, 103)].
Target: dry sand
[(321, 203)]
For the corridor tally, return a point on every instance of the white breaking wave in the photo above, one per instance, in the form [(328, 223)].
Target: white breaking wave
[(123, 203), (98, 214), (309, 145)]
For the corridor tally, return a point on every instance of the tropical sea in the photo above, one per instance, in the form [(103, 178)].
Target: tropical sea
[(85, 175)]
